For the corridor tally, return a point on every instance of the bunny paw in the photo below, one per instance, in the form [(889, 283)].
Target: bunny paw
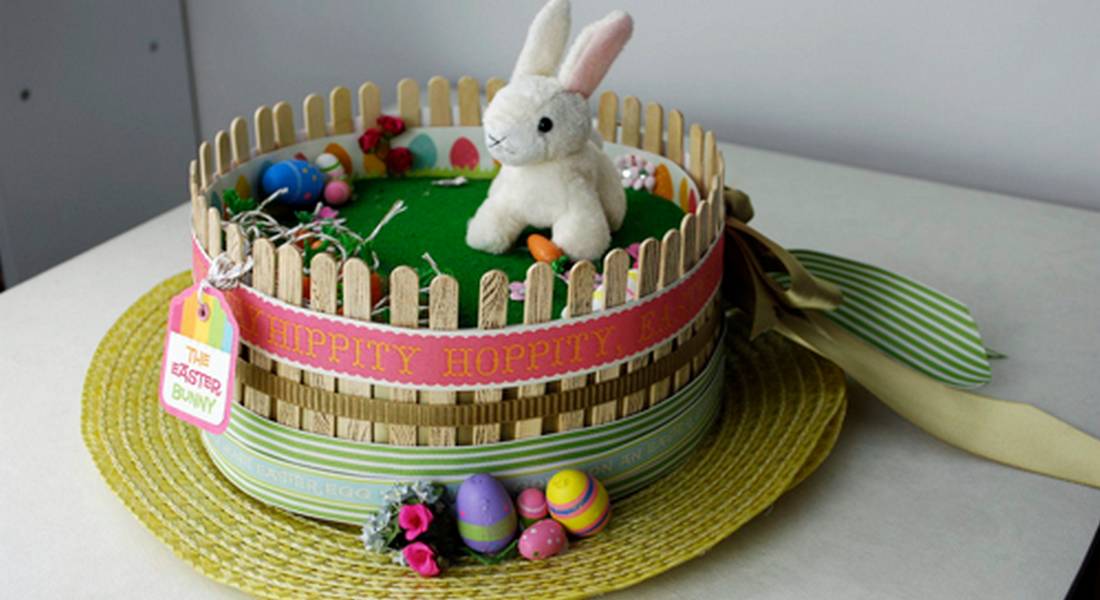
[(489, 235)]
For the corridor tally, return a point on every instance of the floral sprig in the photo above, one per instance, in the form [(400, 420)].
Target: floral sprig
[(378, 141), (416, 528)]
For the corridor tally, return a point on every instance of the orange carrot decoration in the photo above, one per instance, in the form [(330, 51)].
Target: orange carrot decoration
[(543, 249)]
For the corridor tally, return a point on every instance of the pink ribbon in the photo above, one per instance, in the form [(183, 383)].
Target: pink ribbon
[(468, 358)]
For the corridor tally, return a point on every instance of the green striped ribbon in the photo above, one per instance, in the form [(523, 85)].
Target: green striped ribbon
[(343, 480), (909, 321)]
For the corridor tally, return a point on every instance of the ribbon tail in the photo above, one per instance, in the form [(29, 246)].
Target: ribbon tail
[(1013, 433)]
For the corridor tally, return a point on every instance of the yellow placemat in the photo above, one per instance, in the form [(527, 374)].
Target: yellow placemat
[(784, 411)]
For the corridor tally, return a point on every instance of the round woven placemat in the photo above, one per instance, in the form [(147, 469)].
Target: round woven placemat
[(783, 414)]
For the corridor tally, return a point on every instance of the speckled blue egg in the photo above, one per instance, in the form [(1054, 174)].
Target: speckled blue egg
[(485, 514), (303, 181)]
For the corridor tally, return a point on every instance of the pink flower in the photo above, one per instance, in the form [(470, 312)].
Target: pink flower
[(421, 558), (391, 126), (517, 290), (398, 161), (327, 212), (414, 519), (634, 250), (369, 140)]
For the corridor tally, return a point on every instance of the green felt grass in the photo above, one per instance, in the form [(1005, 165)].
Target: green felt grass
[(435, 222)]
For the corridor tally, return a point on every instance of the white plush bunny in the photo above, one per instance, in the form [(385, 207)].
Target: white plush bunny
[(539, 127)]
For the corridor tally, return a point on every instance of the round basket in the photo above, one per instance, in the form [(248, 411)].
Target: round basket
[(435, 393)]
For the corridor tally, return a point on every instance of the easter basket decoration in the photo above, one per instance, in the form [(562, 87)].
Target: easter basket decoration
[(623, 387)]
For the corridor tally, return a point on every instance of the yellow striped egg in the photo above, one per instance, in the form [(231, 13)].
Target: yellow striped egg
[(578, 501)]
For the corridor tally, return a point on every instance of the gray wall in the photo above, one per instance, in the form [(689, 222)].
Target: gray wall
[(993, 94), (101, 139)]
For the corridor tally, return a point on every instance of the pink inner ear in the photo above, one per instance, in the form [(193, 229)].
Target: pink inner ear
[(597, 56)]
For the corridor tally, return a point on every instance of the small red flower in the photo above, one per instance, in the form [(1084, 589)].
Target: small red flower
[(421, 558), (369, 140), (398, 161), (391, 126), (414, 519)]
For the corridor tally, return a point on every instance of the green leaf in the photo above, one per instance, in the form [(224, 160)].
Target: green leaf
[(909, 321), (509, 551), (235, 204)]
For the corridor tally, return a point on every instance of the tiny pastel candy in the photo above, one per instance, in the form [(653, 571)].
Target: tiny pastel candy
[(531, 505), (330, 166), (542, 540), (337, 192), (578, 501)]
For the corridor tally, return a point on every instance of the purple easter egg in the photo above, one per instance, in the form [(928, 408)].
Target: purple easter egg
[(486, 517)]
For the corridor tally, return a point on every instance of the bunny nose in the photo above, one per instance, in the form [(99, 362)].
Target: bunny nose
[(495, 141)]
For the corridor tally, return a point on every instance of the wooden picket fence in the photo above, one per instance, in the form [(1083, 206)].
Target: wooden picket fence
[(279, 272)]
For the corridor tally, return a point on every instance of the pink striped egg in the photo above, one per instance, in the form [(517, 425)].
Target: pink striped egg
[(531, 505)]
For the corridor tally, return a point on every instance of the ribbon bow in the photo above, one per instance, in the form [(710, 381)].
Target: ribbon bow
[(1013, 433)]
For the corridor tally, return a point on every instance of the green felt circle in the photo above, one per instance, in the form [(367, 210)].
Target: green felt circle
[(435, 222)]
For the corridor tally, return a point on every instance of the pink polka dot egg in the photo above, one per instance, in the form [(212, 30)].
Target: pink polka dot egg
[(542, 540), (531, 505)]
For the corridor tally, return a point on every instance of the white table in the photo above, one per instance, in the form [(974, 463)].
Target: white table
[(893, 513)]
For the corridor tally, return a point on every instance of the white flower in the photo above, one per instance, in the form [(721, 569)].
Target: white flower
[(425, 492), (399, 493), (373, 540)]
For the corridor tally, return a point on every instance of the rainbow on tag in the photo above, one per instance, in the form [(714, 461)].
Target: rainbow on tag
[(216, 330), (200, 358)]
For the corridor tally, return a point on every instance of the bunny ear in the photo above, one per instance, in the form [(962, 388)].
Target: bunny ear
[(546, 40), (593, 52)]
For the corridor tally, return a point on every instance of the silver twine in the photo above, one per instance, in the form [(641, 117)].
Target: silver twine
[(224, 273)]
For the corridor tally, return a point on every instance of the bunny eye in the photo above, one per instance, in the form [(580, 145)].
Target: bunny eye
[(545, 124)]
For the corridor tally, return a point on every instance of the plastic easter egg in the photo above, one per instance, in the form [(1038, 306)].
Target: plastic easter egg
[(578, 501), (337, 192), (330, 166), (542, 540), (304, 182), (531, 505), (341, 155), (464, 154), (486, 517)]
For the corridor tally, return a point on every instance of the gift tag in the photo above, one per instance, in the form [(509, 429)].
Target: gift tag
[(200, 358)]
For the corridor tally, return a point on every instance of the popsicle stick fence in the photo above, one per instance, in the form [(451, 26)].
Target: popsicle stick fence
[(328, 286)]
